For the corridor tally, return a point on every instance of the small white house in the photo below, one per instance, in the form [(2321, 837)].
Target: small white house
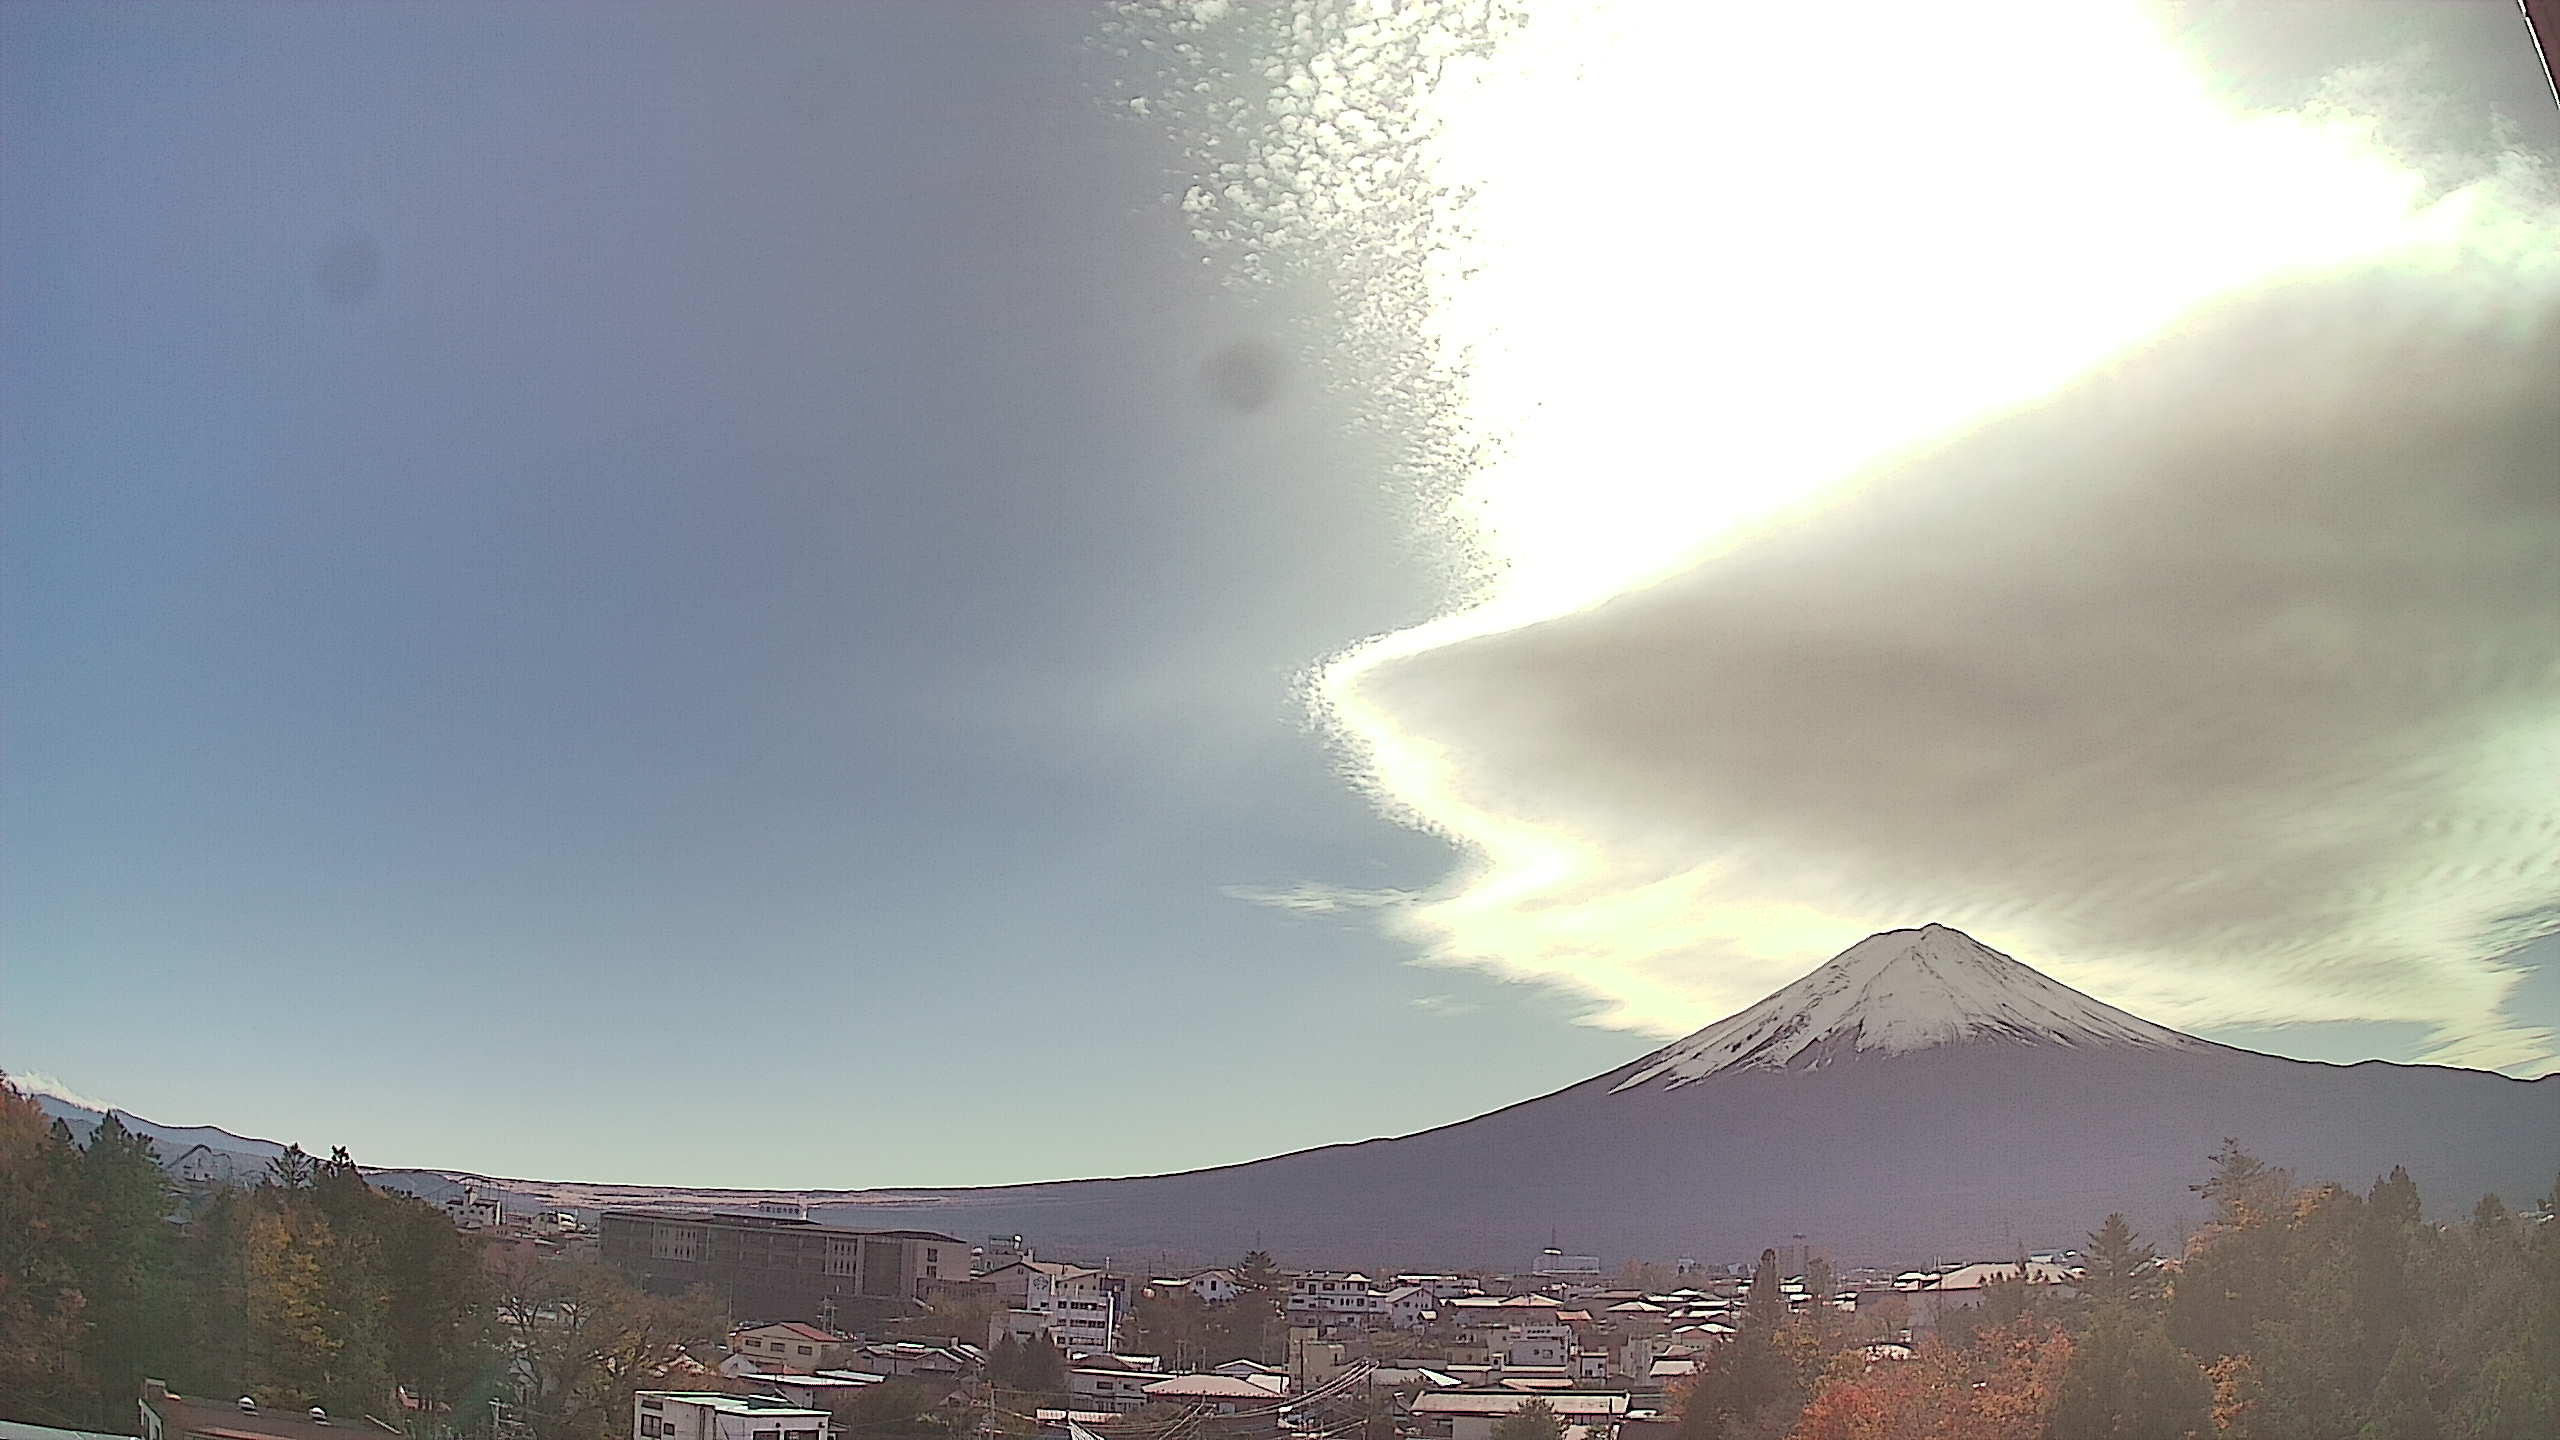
[(789, 1345), (1410, 1307), (1109, 1389), (1214, 1287)]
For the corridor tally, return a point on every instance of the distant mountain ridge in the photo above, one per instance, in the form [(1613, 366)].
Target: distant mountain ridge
[(1919, 1097), (170, 1140)]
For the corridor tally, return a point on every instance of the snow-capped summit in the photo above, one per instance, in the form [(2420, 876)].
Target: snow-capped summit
[(1899, 991)]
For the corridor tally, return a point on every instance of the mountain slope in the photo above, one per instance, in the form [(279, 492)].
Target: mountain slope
[(1919, 1097), (1896, 992), (170, 1140)]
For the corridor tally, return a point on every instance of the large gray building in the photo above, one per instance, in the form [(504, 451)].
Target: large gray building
[(777, 1267)]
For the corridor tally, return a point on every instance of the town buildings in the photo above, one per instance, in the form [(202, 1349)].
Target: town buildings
[(781, 1266), (1076, 1306)]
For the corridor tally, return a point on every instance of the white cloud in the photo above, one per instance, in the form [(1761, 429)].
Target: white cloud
[(2227, 683), (1315, 899), (36, 1082), (1966, 475)]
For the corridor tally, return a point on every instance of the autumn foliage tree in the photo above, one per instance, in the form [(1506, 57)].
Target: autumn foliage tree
[(1999, 1386)]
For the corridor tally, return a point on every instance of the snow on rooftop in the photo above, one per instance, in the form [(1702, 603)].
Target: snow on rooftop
[(1900, 991)]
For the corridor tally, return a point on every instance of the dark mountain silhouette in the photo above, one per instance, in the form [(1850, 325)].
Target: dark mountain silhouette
[(1919, 1097)]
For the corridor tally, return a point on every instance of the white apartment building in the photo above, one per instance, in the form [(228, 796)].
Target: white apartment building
[(1326, 1292), (703, 1415), (1072, 1303), (1553, 1263), (470, 1210), (1534, 1346)]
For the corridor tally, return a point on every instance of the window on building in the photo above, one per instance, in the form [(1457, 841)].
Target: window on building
[(767, 1435), (805, 1350)]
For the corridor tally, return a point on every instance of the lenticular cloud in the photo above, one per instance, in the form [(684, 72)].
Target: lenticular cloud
[(2227, 678), (1974, 477)]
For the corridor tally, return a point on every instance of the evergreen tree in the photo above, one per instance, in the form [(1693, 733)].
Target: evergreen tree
[(2490, 1214), (1753, 1377), (291, 1170), (2316, 1346), (2231, 1276), (2399, 1409), (2394, 1200), (1766, 1304), (1044, 1367), (2242, 1189), (2126, 1381), (212, 1279), (2121, 1271), (123, 1264), (1254, 1325), (438, 1336)]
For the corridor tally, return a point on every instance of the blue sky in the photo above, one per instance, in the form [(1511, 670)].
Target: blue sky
[(636, 595)]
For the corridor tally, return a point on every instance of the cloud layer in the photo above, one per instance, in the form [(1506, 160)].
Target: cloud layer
[(1970, 475), (2227, 680)]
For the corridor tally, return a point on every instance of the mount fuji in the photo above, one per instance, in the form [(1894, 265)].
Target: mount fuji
[(1901, 991), (1919, 1097)]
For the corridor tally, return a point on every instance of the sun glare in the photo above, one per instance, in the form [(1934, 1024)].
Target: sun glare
[(1706, 266)]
